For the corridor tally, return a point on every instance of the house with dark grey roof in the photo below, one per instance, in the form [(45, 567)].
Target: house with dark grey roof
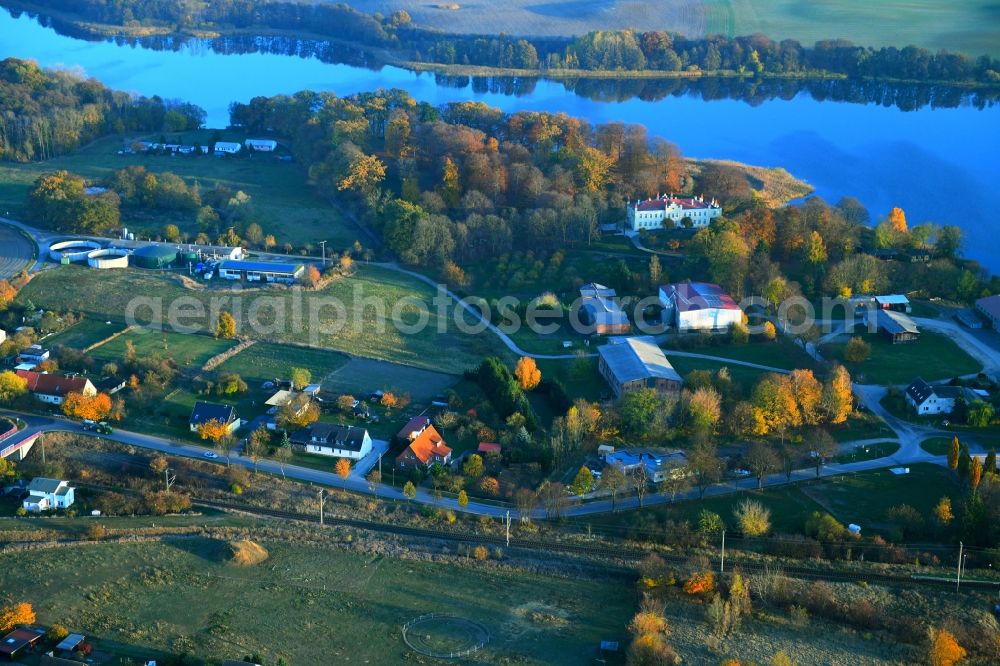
[(989, 307), (45, 494), (631, 364), (927, 399), (204, 412), (328, 439), (599, 309), (896, 327)]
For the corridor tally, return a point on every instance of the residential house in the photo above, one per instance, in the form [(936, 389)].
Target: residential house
[(896, 327), (599, 310), (413, 428), (227, 147), (631, 364), (45, 494), (659, 464), (989, 307), (698, 306), (33, 354), (926, 399), (896, 302), (340, 441), (204, 412), (424, 450), (14, 644), (261, 145), (53, 389), (670, 212)]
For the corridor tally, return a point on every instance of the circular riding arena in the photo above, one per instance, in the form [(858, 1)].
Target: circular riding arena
[(72, 250), (110, 258), (16, 252), (445, 636)]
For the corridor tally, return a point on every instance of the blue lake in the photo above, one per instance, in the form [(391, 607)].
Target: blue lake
[(939, 164)]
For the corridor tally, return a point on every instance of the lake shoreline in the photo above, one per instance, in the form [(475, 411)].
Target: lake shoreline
[(387, 57)]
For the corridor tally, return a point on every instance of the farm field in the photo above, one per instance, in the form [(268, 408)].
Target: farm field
[(970, 27), (368, 300), (84, 333), (932, 357), (288, 208), (265, 361), (157, 598), (189, 351)]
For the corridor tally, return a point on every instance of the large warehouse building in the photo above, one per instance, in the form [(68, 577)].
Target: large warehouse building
[(699, 306), (261, 271)]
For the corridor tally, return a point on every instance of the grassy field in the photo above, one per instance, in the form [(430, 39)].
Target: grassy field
[(932, 357), (937, 446), (781, 353), (363, 327), (742, 375), (969, 27), (85, 333), (362, 376), (287, 207), (156, 598), (869, 452), (265, 361), (189, 351)]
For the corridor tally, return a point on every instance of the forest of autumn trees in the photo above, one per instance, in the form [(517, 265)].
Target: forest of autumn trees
[(617, 50), (45, 113)]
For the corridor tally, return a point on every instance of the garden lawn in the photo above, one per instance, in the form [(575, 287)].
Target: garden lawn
[(190, 352), (84, 333), (932, 357), (286, 206), (155, 598), (265, 361)]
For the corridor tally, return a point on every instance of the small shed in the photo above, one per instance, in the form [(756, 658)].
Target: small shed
[(895, 302), (71, 642), (16, 642)]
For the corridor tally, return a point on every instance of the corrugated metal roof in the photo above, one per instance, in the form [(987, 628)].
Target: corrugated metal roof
[(896, 322), (636, 358)]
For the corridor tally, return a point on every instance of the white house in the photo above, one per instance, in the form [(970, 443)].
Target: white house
[(339, 441), (698, 306), (34, 354), (227, 147), (3, 335), (45, 494), (261, 145), (653, 213), (53, 389), (927, 399)]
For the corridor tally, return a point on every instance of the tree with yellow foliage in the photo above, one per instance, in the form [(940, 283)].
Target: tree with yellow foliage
[(388, 400), (897, 218), (16, 615), (527, 373), (12, 387), (943, 511), (225, 326), (213, 430), (838, 396), (93, 408), (944, 649)]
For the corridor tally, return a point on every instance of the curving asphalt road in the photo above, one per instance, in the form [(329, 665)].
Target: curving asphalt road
[(16, 252)]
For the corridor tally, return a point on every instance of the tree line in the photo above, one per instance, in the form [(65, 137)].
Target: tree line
[(45, 113), (615, 50)]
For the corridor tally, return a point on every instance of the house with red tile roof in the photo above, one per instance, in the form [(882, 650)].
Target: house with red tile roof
[(670, 212), (53, 389), (426, 449)]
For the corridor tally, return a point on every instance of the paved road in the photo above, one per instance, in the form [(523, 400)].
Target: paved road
[(16, 252)]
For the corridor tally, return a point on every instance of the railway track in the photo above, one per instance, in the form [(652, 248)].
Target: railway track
[(616, 553)]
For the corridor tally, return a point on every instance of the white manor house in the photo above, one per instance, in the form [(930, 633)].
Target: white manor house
[(651, 213)]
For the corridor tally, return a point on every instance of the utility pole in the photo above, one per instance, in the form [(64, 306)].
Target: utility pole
[(168, 480), (321, 496), (41, 440), (322, 244), (507, 521), (958, 572), (722, 561)]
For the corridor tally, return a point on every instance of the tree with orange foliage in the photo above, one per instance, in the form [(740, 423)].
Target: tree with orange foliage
[(312, 276), (388, 400), (343, 468), (15, 615), (527, 373), (944, 650), (700, 583), (897, 218), (213, 430), (975, 474), (93, 408), (7, 294), (490, 486)]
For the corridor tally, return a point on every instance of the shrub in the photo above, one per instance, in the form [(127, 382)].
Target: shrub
[(96, 532), (857, 350), (944, 649), (753, 518), (651, 650), (648, 622), (700, 583), (799, 616), (56, 633), (820, 600), (480, 553), (245, 553)]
